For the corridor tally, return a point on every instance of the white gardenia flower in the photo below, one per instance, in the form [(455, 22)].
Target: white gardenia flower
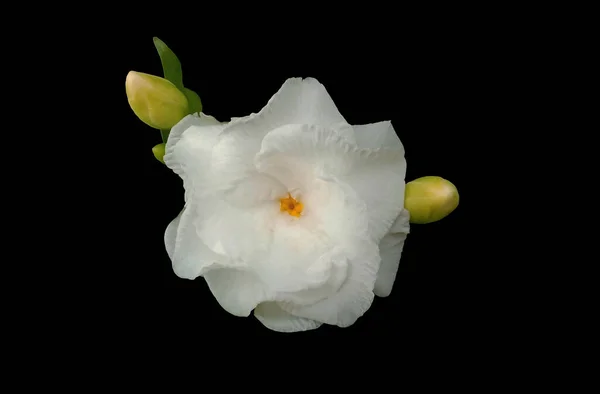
[(291, 213)]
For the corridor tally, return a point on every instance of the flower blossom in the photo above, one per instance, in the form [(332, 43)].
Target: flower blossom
[(291, 212)]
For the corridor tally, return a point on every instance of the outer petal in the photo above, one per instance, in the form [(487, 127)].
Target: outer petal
[(379, 182), (381, 187), (236, 288), (377, 135), (204, 128), (297, 102), (191, 257), (171, 235), (275, 318), (238, 291), (189, 150), (354, 297), (390, 249)]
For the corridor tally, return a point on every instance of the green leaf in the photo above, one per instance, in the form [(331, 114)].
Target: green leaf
[(194, 102), (170, 63)]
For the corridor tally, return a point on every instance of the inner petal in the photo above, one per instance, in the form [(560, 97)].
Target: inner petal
[(297, 154), (242, 234), (298, 259), (254, 190), (336, 211)]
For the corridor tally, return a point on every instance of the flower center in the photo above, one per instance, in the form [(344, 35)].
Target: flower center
[(290, 205)]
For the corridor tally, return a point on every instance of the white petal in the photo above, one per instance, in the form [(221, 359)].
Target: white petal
[(242, 234), (171, 235), (191, 257), (294, 262), (267, 259), (303, 265), (275, 318), (237, 291), (354, 297), (189, 149), (335, 210), (378, 179), (198, 123), (297, 102), (188, 153), (380, 184), (297, 154), (402, 223), (255, 190), (390, 249), (377, 135)]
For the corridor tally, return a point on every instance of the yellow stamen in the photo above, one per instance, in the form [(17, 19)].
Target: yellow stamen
[(290, 205)]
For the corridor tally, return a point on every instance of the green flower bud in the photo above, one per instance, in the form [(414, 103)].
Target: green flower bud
[(429, 199), (156, 101), (159, 152)]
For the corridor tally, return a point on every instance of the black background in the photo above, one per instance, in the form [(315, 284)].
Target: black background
[(428, 80)]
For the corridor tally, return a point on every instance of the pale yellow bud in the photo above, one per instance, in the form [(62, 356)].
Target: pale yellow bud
[(156, 101), (159, 152), (429, 199)]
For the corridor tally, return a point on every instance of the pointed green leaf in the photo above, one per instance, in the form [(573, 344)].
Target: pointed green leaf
[(194, 102), (170, 63)]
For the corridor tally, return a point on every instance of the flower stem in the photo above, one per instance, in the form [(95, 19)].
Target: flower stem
[(164, 135)]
